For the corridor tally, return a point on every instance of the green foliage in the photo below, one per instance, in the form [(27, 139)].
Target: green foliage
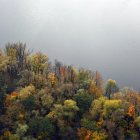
[(45, 98), (41, 128), (27, 78), (137, 121), (29, 103), (57, 112), (14, 137), (22, 129), (84, 77), (2, 98), (70, 108), (132, 135), (83, 100), (89, 124)]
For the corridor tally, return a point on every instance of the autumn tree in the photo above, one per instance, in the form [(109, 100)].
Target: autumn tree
[(26, 92), (94, 90), (96, 108), (84, 134), (19, 52), (111, 106), (98, 81), (14, 63), (131, 111), (39, 63), (111, 87), (3, 62)]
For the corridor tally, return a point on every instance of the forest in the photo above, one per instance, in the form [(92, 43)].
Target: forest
[(43, 100)]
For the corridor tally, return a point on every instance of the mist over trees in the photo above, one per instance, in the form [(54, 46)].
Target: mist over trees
[(40, 100)]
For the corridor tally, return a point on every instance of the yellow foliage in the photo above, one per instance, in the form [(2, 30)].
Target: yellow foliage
[(99, 136), (39, 62), (71, 104), (111, 82), (11, 53), (110, 106), (99, 123), (112, 103), (52, 115), (3, 61), (97, 107), (27, 91)]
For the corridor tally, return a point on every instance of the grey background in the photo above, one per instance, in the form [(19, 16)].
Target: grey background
[(100, 35)]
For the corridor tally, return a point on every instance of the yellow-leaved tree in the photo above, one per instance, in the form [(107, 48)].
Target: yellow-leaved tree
[(39, 63), (111, 87)]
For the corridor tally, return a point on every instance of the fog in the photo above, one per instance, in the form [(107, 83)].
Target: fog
[(101, 35)]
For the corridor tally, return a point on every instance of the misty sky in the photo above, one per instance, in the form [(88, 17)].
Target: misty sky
[(100, 35)]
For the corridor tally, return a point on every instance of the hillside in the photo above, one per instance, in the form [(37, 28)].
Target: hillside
[(40, 100)]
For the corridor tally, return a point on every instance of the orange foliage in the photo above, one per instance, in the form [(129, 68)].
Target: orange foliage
[(131, 110), (14, 94), (88, 135), (83, 134), (63, 73), (10, 97), (5, 135)]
